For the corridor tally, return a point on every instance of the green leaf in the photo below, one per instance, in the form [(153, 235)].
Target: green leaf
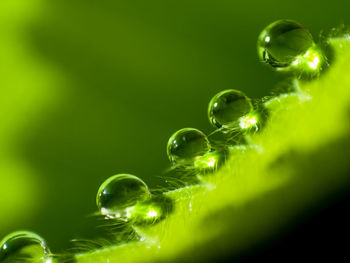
[(297, 162)]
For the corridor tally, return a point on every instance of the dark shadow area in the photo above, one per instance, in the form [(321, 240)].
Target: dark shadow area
[(319, 237)]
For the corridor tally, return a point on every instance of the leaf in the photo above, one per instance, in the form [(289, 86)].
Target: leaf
[(299, 160)]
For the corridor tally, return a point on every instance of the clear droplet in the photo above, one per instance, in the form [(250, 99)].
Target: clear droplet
[(287, 45), (227, 107), (24, 246), (185, 145), (119, 194)]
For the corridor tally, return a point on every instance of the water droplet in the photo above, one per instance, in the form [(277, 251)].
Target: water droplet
[(119, 194), (227, 107), (286, 45), (24, 246), (185, 145)]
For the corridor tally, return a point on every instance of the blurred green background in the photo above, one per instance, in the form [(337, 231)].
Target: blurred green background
[(89, 89)]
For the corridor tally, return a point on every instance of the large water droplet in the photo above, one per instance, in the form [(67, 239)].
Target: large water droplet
[(227, 107), (185, 145), (286, 43), (24, 246), (119, 194)]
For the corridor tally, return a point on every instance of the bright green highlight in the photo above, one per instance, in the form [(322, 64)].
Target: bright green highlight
[(211, 162), (22, 247), (248, 122), (151, 211), (311, 61), (145, 213)]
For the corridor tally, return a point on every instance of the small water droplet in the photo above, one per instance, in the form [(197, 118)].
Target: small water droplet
[(227, 107), (185, 145), (24, 246), (119, 194), (287, 45)]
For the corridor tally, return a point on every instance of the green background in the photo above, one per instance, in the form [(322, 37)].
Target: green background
[(89, 89)]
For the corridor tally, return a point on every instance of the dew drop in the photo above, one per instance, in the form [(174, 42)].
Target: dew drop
[(24, 246), (286, 44), (119, 194), (227, 107), (185, 145)]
